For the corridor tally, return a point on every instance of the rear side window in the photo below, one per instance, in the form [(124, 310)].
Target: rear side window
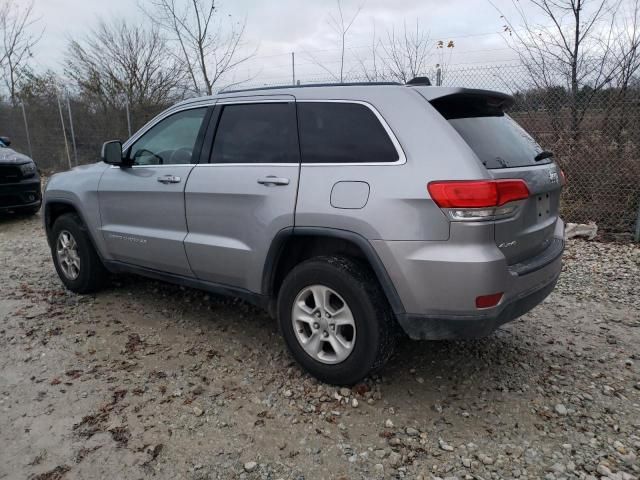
[(256, 133), (497, 140), (335, 132)]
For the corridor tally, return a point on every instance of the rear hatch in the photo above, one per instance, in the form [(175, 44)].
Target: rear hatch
[(508, 152)]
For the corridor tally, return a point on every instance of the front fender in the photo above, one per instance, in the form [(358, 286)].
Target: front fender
[(77, 189)]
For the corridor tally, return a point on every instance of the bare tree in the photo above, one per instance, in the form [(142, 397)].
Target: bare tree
[(18, 40), (405, 57), (370, 67), (341, 26), (40, 88), (573, 46), (625, 56), (206, 46), (407, 53), (119, 62)]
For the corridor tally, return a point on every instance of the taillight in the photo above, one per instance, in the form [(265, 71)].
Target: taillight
[(563, 177), (478, 199), (477, 193), (472, 200)]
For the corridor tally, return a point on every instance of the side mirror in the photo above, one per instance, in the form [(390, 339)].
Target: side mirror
[(5, 140), (112, 153)]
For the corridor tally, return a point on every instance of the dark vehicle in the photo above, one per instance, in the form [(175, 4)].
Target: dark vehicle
[(19, 181)]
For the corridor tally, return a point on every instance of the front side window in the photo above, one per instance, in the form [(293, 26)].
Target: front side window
[(256, 133), (169, 142), (336, 132)]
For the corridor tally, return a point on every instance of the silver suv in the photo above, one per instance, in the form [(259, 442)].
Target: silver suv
[(351, 213)]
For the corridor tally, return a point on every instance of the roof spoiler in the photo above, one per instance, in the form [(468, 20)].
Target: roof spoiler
[(422, 81), (466, 103)]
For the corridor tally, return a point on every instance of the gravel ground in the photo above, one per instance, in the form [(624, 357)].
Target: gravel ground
[(149, 379)]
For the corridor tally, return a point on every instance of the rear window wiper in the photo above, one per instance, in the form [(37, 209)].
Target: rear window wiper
[(543, 155)]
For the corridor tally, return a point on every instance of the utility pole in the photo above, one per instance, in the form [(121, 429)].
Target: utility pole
[(64, 133), (126, 107), (637, 235), (26, 128), (73, 134), (293, 68)]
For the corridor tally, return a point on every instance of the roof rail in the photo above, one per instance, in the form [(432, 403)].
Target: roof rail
[(306, 85)]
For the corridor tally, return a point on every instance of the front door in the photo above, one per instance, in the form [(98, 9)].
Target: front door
[(142, 207), (238, 201)]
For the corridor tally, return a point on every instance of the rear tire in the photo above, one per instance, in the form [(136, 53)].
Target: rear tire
[(74, 257), (360, 323)]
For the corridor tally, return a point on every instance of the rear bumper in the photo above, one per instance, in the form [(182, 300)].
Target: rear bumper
[(21, 195), (441, 327), (439, 281)]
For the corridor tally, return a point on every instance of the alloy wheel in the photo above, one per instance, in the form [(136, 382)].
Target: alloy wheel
[(323, 324), (68, 256)]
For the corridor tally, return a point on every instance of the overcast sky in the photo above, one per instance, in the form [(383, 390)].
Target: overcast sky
[(276, 28)]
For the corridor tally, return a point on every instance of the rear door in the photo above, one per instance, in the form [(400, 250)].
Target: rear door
[(246, 193), (508, 151)]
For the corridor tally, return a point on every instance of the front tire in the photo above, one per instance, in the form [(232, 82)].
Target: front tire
[(335, 319), (74, 257)]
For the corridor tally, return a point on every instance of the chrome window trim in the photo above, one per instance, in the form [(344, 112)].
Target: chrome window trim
[(402, 159), (157, 166), (236, 101), (296, 164)]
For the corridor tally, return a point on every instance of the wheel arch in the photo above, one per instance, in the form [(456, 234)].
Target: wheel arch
[(296, 244), (53, 209)]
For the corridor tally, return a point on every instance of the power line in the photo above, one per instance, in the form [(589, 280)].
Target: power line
[(435, 38), (303, 63), (451, 68), (361, 47)]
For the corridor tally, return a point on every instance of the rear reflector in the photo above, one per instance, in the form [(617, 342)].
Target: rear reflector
[(488, 301), (477, 193)]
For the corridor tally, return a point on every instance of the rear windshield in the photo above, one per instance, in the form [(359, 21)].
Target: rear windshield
[(499, 142), (495, 137)]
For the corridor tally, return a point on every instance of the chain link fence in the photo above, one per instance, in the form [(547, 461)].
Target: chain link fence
[(62, 132), (595, 137)]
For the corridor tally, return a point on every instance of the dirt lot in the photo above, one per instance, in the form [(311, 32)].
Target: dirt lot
[(148, 379)]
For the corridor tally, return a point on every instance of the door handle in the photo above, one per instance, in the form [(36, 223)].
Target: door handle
[(273, 180), (169, 179)]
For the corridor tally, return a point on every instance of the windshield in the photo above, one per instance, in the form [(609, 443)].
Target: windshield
[(2, 145), (499, 141)]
